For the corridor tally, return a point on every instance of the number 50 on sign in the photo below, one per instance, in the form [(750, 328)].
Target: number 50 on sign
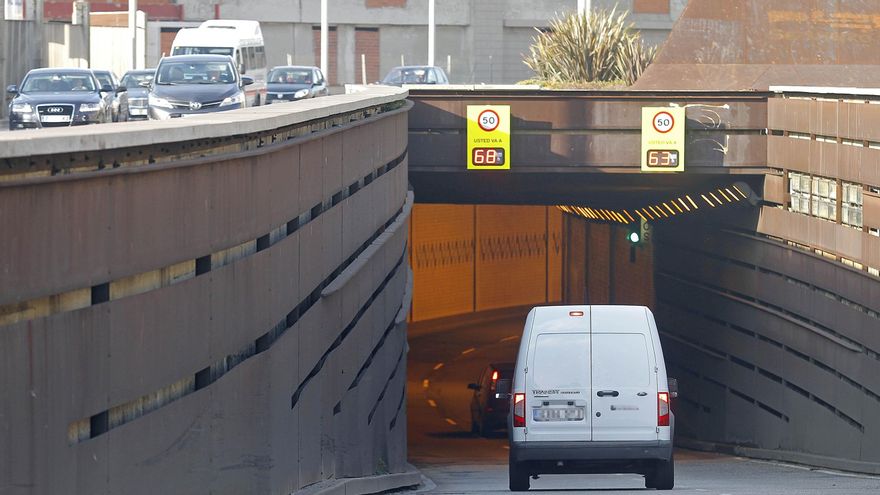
[(488, 137), (663, 139)]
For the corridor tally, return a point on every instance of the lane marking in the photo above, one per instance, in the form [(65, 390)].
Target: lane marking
[(508, 339), (438, 366), (468, 351), (425, 383), (451, 421), (432, 403)]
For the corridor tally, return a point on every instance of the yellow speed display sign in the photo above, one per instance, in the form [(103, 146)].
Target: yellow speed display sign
[(488, 137), (663, 139)]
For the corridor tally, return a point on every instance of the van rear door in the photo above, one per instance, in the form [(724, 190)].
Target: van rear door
[(558, 376), (624, 375)]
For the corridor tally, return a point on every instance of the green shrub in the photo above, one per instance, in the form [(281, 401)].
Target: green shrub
[(584, 49)]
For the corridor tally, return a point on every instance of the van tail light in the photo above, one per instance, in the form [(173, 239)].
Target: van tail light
[(519, 410), (663, 409)]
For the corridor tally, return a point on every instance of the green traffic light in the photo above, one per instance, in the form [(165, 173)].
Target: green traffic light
[(633, 237)]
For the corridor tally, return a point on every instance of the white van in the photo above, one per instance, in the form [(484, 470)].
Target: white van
[(241, 40), (590, 395)]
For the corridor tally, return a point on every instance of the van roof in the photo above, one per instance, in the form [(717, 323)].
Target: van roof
[(243, 29), (600, 316), (215, 37)]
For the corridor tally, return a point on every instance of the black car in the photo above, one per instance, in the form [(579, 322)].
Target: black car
[(194, 84), (58, 98), (415, 74), (290, 83), (133, 101), (488, 412), (108, 78)]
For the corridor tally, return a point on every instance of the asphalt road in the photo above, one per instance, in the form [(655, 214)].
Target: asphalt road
[(444, 359)]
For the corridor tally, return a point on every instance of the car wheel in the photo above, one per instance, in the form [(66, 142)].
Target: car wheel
[(662, 476), (518, 477)]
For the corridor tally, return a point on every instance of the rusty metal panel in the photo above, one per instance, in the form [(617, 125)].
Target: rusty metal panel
[(827, 118), (719, 44)]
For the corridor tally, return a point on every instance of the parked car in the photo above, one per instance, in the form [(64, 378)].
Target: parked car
[(488, 412), (58, 98), (591, 395), (108, 78), (195, 84), (133, 101), (294, 82), (415, 74)]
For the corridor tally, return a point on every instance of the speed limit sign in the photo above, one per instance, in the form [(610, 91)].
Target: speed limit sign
[(663, 122), (488, 120)]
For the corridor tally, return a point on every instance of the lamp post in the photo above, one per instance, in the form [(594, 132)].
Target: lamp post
[(132, 31), (584, 7), (431, 25), (324, 42)]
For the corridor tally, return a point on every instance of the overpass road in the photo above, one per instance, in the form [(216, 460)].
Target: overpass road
[(443, 359)]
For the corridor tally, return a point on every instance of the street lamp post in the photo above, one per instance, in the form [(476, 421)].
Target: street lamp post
[(431, 25), (324, 42), (132, 31), (584, 7)]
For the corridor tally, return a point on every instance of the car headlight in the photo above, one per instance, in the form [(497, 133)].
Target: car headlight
[(89, 107), (155, 101), (301, 93), (22, 108), (233, 100)]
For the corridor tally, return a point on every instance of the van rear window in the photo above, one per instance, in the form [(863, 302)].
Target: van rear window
[(620, 360), (562, 360)]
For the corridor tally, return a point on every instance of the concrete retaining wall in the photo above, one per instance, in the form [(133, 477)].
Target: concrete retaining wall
[(227, 324)]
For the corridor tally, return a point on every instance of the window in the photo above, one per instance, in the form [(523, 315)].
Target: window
[(824, 198), (562, 360), (851, 205), (799, 190), (620, 359)]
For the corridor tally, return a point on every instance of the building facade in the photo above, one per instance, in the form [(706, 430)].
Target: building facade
[(477, 41)]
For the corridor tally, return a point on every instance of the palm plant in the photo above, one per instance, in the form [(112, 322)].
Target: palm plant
[(579, 48)]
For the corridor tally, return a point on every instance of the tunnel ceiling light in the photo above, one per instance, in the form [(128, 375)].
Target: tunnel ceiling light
[(661, 210)]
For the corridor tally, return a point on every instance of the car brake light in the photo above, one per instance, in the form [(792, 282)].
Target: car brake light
[(519, 410), (663, 409), (494, 375)]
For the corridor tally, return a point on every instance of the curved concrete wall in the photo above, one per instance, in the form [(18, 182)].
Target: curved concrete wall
[(233, 323), (775, 347)]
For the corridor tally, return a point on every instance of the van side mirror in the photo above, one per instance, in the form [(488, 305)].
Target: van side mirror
[(673, 387), (106, 89), (502, 388), (247, 80), (473, 386)]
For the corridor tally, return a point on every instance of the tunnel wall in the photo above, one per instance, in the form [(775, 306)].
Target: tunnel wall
[(474, 258), (230, 323), (771, 319)]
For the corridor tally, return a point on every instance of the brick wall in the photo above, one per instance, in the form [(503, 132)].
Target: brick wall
[(332, 74), (366, 42), (651, 6)]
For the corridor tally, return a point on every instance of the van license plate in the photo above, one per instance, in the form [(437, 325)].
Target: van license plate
[(559, 414)]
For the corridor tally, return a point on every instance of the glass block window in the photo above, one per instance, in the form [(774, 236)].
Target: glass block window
[(851, 205), (799, 190), (824, 198)]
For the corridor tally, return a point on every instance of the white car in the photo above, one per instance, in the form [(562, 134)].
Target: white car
[(590, 395)]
